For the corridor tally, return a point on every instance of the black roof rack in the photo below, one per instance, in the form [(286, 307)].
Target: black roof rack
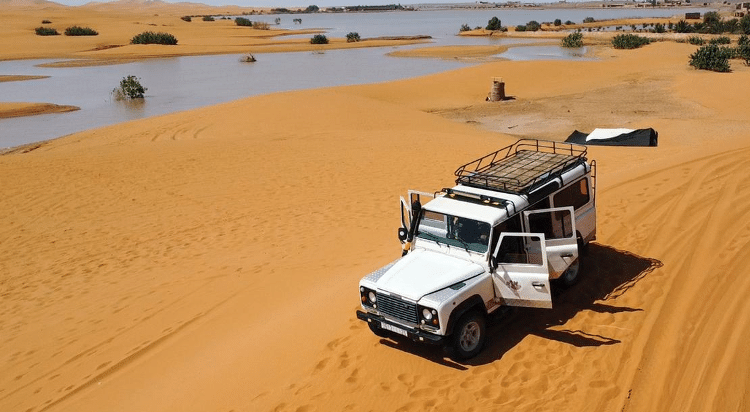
[(522, 166)]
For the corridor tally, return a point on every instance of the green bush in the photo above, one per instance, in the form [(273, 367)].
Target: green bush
[(46, 31), (573, 40), (494, 24), (696, 40), (241, 21), (80, 31), (464, 27), (589, 20), (745, 24), (712, 23), (743, 52), (533, 26), (130, 88), (319, 39), (720, 40), (683, 27), (520, 27), (629, 41), (743, 40), (352, 37), (187, 18), (710, 58), (569, 23), (659, 28), (149, 37), (208, 18), (558, 22)]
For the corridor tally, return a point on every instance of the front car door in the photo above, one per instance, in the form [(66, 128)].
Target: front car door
[(521, 277), (559, 228)]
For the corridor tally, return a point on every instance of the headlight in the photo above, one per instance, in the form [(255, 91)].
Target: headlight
[(429, 317), (368, 296)]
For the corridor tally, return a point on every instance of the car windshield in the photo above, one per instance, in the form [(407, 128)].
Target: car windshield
[(456, 231)]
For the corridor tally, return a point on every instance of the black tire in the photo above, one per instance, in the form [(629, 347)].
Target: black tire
[(469, 336), (375, 328), (570, 276)]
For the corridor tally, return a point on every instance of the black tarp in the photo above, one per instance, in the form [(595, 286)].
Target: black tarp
[(639, 137)]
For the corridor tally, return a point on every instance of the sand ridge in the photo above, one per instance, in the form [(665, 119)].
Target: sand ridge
[(208, 260)]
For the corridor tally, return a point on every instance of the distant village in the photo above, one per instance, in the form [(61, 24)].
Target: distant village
[(740, 7)]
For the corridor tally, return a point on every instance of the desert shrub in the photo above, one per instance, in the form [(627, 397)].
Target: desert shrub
[(319, 39), (558, 22), (589, 20), (743, 52), (352, 37), (712, 23), (696, 40), (720, 40), (277, 20), (659, 28), (710, 58), (683, 27), (261, 25), (573, 40), (130, 88), (533, 26), (241, 21), (520, 27), (464, 27), (494, 24), (46, 31), (731, 26), (670, 26), (743, 40), (186, 18), (80, 31), (149, 37), (208, 18), (629, 41), (46, 22), (744, 24), (569, 23)]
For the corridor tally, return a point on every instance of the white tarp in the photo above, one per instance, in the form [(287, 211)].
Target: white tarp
[(603, 134)]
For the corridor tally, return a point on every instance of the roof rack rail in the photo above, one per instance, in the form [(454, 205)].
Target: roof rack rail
[(522, 166)]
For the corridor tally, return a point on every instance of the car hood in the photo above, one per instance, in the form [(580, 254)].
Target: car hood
[(422, 272)]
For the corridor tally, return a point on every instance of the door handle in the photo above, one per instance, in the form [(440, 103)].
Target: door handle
[(567, 255), (537, 284)]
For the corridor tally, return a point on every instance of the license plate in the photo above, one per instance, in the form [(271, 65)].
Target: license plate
[(393, 329)]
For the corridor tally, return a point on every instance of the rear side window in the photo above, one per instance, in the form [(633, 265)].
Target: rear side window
[(575, 195)]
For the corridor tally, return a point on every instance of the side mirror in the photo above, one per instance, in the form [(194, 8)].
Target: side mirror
[(402, 234), (493, 263)]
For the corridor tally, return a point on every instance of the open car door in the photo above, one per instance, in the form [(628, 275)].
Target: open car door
[(521, 276), (559, 228)]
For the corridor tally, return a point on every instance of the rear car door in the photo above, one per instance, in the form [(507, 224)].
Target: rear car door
[(559, 228)]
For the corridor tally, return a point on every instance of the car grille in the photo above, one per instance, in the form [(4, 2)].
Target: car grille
[(397, 308)]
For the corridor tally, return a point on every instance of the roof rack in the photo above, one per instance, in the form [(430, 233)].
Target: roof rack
[(520, 167)]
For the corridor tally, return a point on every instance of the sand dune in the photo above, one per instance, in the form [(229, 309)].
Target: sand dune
[(208, 260)]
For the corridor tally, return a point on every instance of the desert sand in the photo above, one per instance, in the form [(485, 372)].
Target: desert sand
[(208, 260)]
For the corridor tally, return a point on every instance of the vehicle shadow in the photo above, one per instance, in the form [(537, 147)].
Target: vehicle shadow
[(606, 273)]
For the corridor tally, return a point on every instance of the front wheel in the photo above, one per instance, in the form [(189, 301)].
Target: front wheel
[(469, 336)]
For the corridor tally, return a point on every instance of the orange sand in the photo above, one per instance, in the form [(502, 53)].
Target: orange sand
[(209, 260)]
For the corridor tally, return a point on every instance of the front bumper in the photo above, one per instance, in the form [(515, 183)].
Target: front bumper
[(413, 334)]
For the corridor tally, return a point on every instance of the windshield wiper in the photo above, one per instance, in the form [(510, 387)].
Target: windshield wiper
[(431, 236), (463, 242)]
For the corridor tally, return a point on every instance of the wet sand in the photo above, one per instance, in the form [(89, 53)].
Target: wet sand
[(209, 259)]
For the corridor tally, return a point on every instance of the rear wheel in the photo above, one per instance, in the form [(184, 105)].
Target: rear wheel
[(570, 276), (469, 335)]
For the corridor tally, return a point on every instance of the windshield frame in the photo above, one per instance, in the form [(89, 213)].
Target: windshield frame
[(454, 232)]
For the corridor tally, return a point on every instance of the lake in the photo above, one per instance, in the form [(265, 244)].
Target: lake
[(183, 83)]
